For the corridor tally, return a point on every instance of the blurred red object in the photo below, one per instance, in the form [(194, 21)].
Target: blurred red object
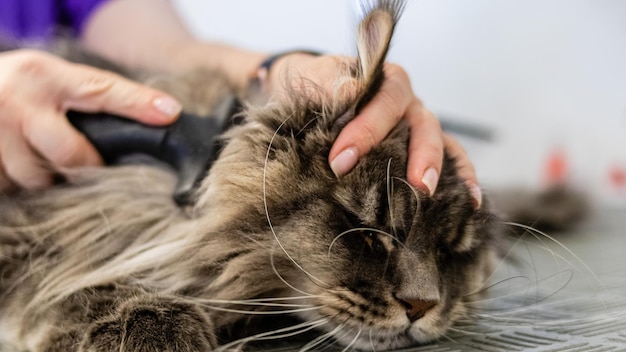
[(557, 167)]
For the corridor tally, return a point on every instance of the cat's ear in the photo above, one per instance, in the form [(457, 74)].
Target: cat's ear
[(373, 38)]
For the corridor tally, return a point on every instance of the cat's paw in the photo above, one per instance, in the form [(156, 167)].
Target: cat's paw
[(154, 324)]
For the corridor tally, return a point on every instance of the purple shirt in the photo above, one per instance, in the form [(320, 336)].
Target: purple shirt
[(37, 19)]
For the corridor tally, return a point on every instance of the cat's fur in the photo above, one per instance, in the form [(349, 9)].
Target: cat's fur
[(107, 261)]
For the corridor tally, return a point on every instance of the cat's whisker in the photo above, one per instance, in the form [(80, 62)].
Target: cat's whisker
[(267, 214), (385, 267), (486, 288), (281, 278), (532, 258), (354, 340), (396, 239), (535, 233), (538, 235), (272, 299), (357, 229), (261, 303), (371, 338), (544, 247), (367, 229), (307, 125), (332, 243), (520, 239), (535, 283), (321, 339), (276, 334), (510, 320), (339, 334), (413, 190), (253, 312), (340, 331), (482, 287), (389, 196), (447, 337)]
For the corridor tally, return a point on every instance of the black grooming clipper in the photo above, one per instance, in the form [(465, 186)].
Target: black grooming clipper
[(188, 145)]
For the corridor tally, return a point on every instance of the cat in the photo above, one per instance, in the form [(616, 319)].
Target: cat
[(106, 261)]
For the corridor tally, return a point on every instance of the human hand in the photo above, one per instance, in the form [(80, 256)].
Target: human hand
[(37, 89), (394, 102)]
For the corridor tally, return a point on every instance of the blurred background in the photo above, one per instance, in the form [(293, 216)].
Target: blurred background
[(547, 78)]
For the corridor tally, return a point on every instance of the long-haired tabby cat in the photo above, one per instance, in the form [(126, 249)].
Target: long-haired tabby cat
[(107, 262)]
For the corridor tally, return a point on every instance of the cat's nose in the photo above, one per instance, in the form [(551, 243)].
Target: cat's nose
[(417, 308)]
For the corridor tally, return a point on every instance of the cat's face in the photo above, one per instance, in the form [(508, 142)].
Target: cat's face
[(385, 265), (378, 264)]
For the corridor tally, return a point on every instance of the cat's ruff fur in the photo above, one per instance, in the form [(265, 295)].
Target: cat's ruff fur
[(107, 262)]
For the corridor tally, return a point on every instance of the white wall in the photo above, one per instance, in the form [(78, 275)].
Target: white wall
[(544, 74)]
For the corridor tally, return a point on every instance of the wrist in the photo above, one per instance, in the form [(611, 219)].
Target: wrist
[(236, 64), (269, 75)]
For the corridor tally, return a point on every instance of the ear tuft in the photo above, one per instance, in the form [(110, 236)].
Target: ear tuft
[(373, 40)]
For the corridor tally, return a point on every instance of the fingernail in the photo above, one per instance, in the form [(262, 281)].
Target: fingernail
[(167, 106), (344, 162), (430, 179), (477, 195)]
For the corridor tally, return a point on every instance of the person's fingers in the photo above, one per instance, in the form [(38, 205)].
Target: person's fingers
[(465, 168), (67, 85), (5, 182), (55, 139), (34, 142), (425, 148), (22, 165), (372, 124), (393, 102), (89, 89)]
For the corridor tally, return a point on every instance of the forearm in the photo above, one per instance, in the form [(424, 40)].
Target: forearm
[(148, 34)]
